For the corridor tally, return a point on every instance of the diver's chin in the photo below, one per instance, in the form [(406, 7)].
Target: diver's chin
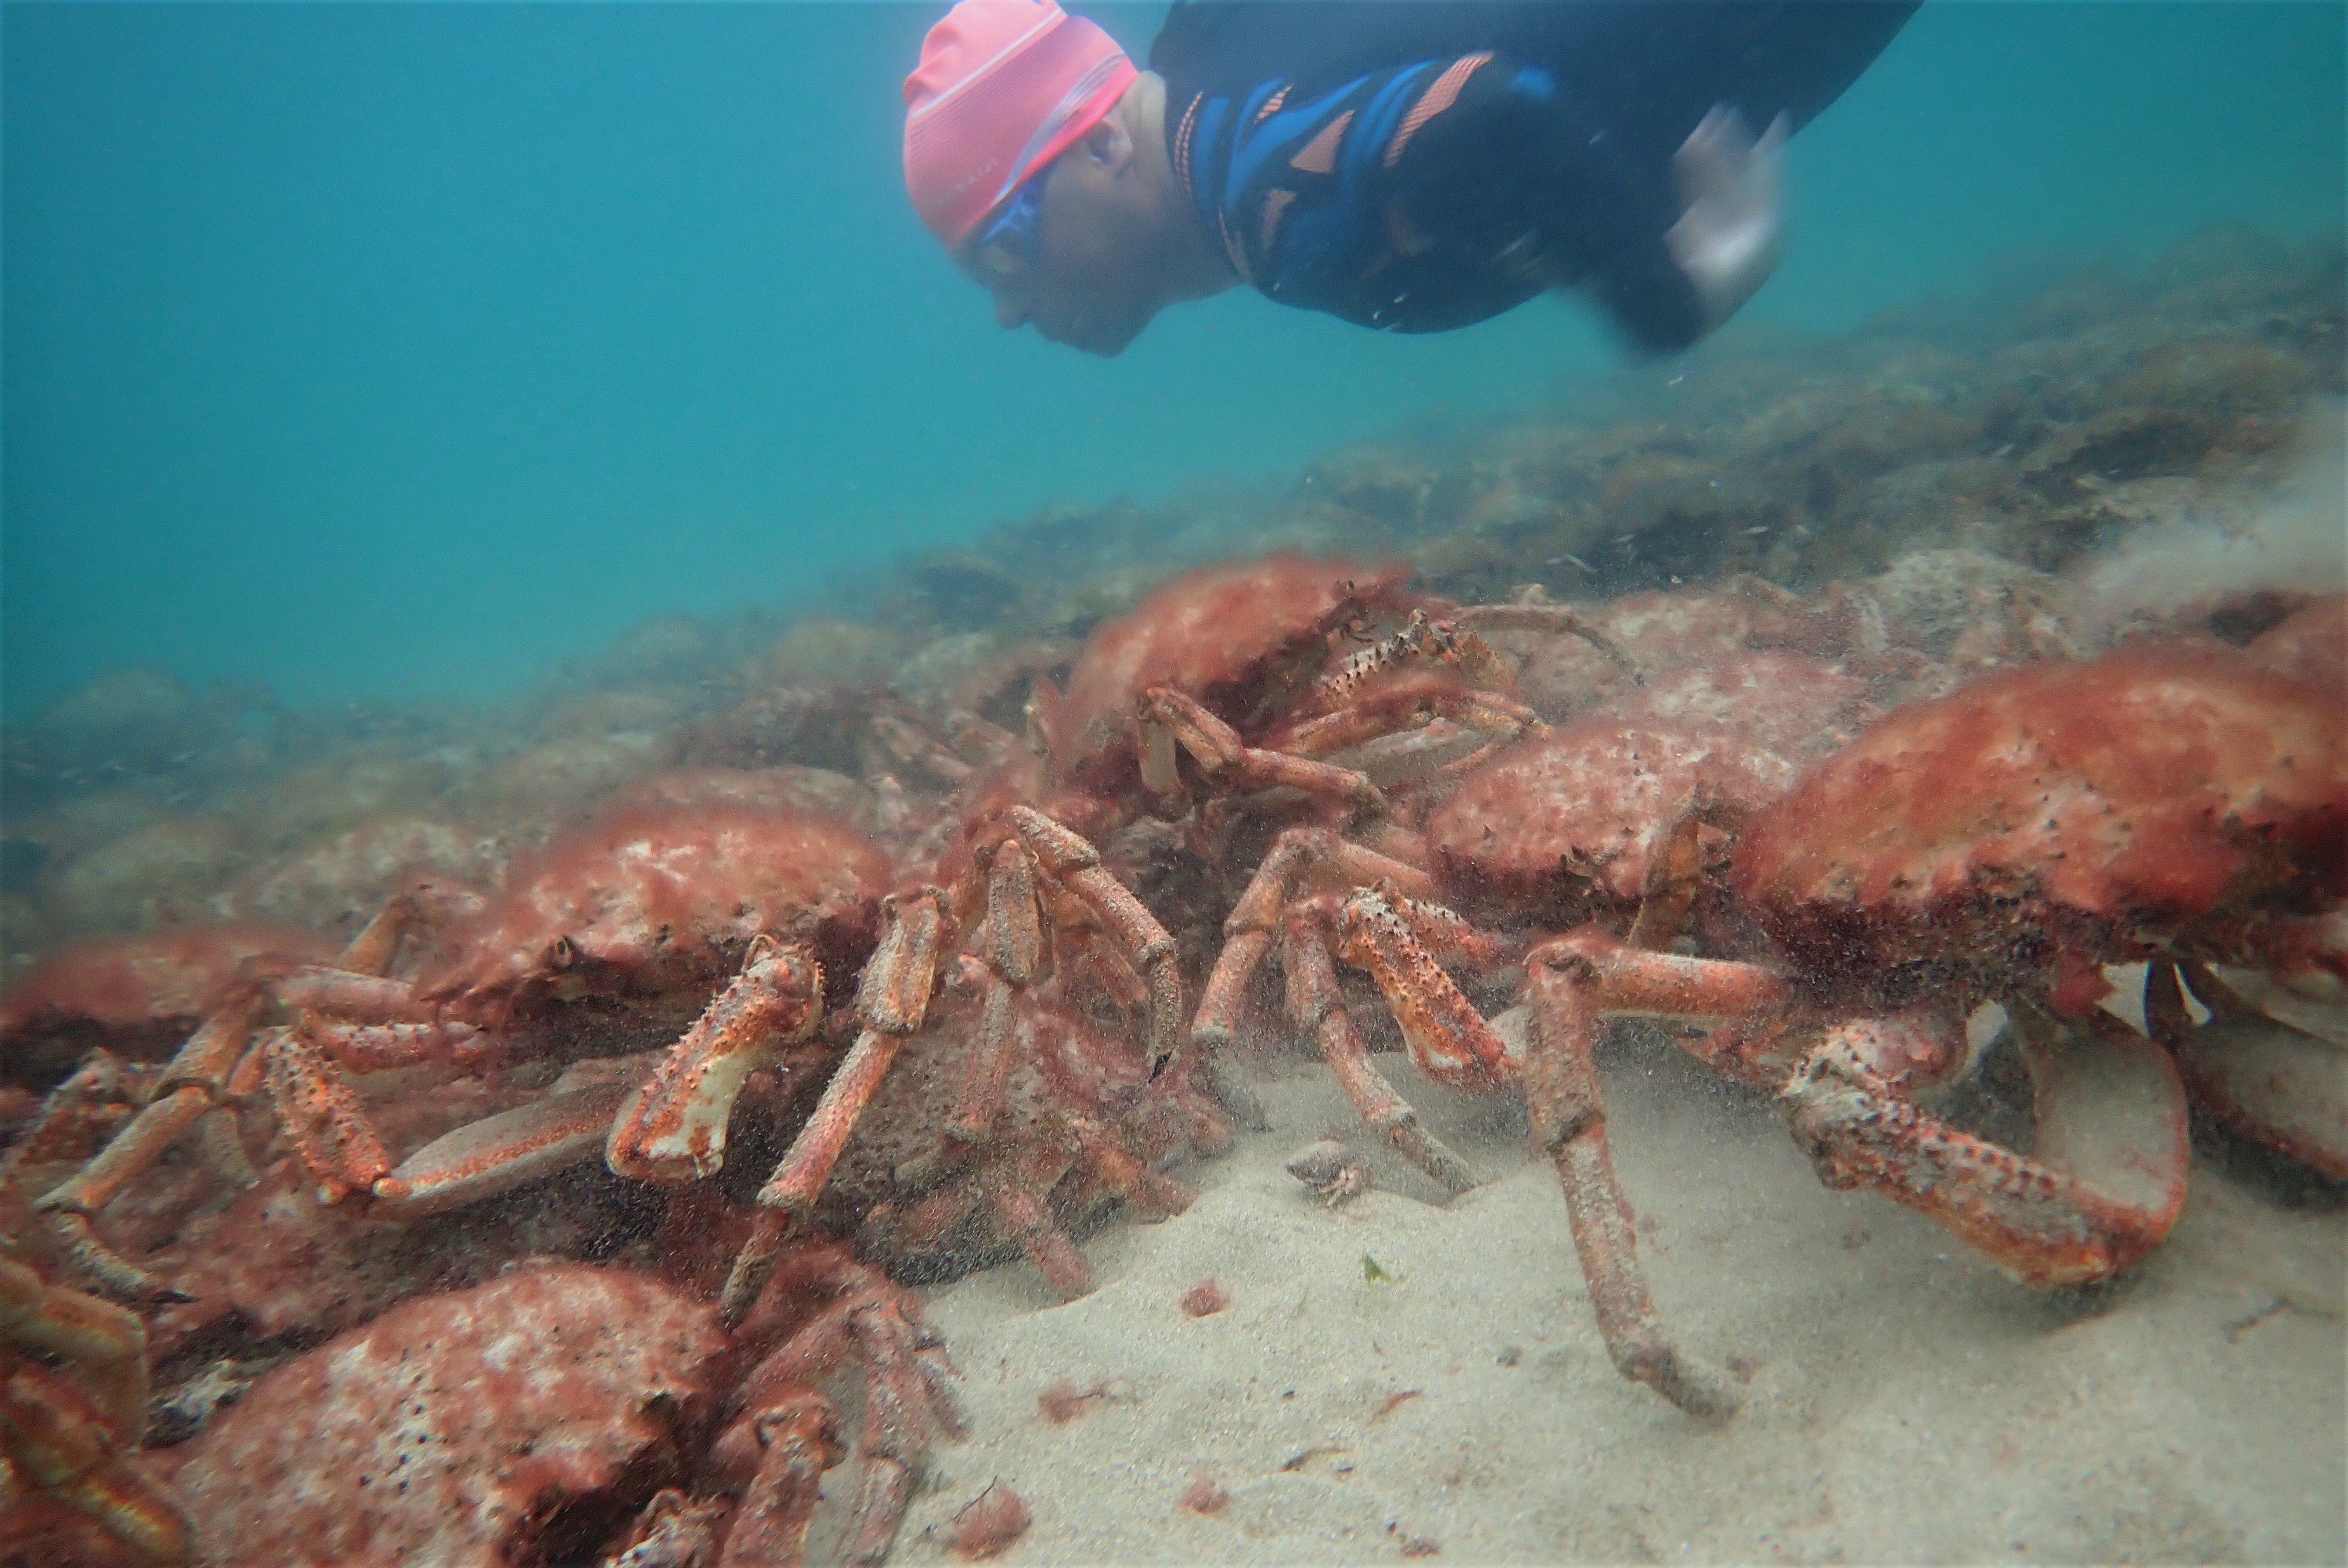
[(1108, 343), (1102, 340)]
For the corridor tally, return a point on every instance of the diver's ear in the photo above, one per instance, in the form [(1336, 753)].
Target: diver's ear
[(1108, 144)]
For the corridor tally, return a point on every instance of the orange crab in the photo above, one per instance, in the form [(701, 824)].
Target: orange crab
[(610, 925), (1232, 656), (1191, 679), (276, 1028), (2006, 843), (1017, 877), (72, 1402), (2002, 844)]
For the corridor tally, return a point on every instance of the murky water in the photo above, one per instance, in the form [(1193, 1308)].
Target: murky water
[(573, 1041)]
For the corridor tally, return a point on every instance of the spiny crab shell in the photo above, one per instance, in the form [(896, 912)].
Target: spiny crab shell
[(1239, 638), (1556, 823), (2145, 787), (1580, 812), (139, 994), (655, 900)]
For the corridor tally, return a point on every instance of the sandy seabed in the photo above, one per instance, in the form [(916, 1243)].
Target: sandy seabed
[(1904, 1402)]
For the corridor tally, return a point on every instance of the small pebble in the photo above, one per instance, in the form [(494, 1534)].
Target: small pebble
[(1203, 1496), (1205, 1298), (186, 1412), (989, 1523)]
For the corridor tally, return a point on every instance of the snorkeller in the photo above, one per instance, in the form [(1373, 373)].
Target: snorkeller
[(1407, 165)]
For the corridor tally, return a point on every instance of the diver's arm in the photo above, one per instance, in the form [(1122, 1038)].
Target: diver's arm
[(1517, 165), (1428, 196)]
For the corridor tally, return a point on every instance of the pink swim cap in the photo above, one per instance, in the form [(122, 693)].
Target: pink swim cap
[(1004, 87)]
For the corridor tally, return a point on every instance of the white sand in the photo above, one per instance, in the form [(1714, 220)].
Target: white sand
[(1909, 1403)]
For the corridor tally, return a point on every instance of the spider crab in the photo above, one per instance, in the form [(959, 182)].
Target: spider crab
[(822, 1314), (2001, 844), (1005, 887), (69, 1424), (2184, 808), (637, 918), (612, 928), (1231, 674), (1043, 1116), (1262, 685), (277, 1029)]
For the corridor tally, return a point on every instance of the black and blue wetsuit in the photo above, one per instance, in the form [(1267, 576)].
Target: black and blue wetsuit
[(1420, 165)]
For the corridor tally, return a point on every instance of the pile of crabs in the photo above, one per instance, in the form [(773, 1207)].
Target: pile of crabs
[(780, 1071)]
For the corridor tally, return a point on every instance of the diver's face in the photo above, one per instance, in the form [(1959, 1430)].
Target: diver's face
[(1085, 277)]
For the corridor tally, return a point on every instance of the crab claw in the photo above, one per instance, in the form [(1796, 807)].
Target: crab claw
[(674, 1130), (2106, 1182)]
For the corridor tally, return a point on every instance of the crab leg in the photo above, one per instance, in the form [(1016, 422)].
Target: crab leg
[(1568, 996), (77, 1120), (514, 1148), (1403, 715), (1071, 861), (1014, 960), (798, 1440), (1569, 1117), (380, 1047), (1447, 935), (2106, 1183), (1243, 769), (1432, 641), (1557, 619), (1011, 1186), (1300, 857), (902, 1406), (1450, 1040), (53, 1448), (189, 1087), (1676, 870), (321, 1115), (1635, 982), (1318, 1007), (2280, 1080), (105, 1341), (892, 999), (59, 1454), (1153, 1195), (909, 1399), (224, 1061), (357, 994)]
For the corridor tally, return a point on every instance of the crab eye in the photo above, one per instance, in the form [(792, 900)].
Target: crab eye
[(562, 955)]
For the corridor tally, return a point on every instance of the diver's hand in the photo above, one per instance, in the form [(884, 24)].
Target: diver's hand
[(1728, 236)]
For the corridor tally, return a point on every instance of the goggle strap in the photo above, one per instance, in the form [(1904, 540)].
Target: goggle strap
[(1074, 98)]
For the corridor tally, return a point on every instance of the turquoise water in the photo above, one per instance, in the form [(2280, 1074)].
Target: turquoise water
[(386, 350), (510, 494)]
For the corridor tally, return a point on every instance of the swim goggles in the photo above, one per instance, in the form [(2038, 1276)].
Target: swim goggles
[(1006, 246)]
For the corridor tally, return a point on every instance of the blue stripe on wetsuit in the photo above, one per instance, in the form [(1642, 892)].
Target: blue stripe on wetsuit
[(1326, 242)]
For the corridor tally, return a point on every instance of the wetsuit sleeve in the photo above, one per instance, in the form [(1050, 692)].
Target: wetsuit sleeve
[(1433, 195), (1515, 161)]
